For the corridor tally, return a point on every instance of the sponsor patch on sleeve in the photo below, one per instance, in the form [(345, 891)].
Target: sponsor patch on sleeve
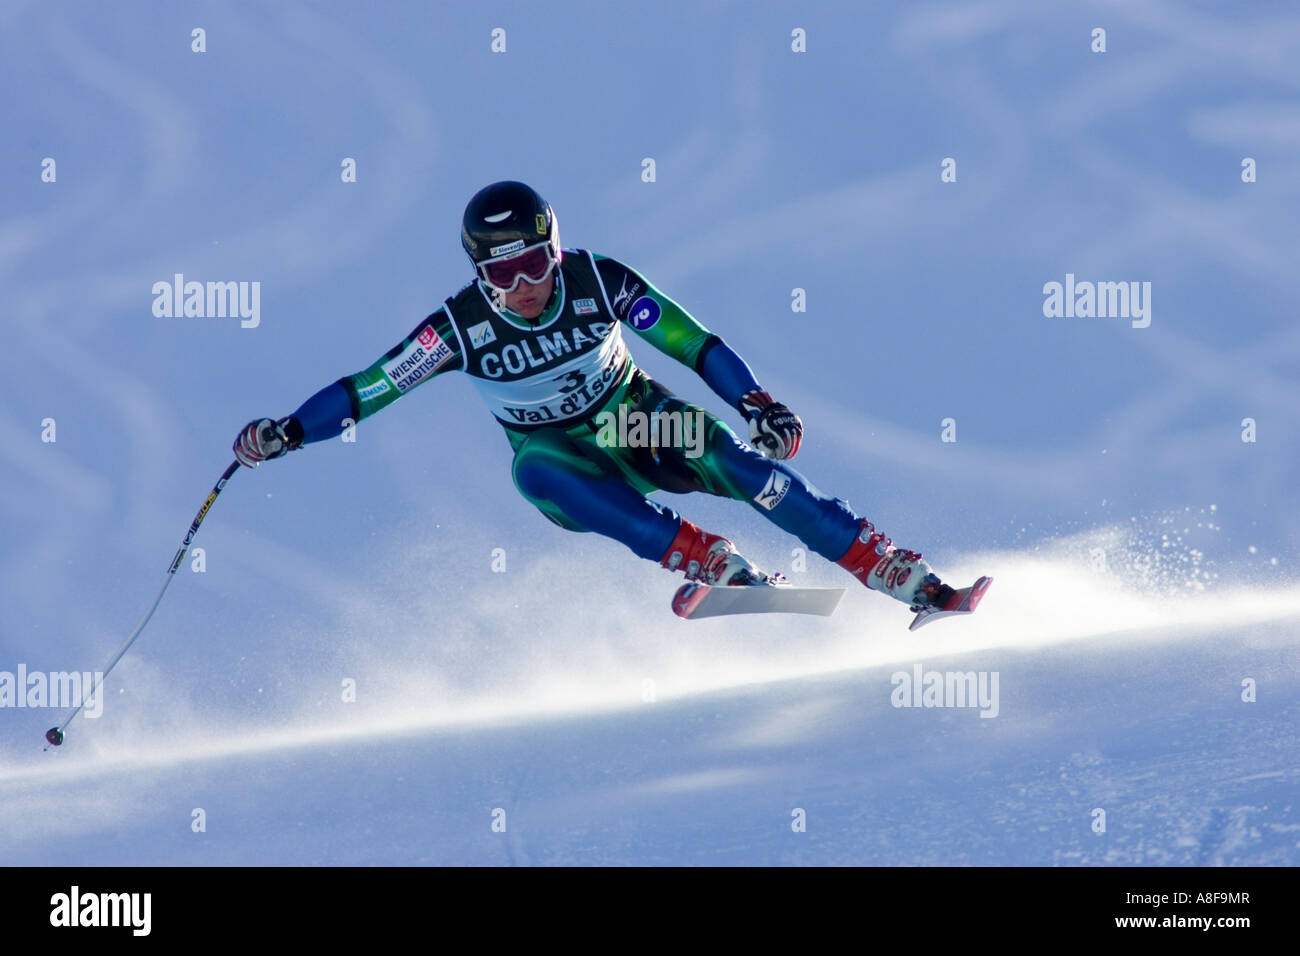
[(625, 296), (643, 314), (777, 485), (424, 356), (371, 391)]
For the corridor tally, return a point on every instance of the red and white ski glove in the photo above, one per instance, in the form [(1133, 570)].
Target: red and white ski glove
[(261, 441), (773, 429)]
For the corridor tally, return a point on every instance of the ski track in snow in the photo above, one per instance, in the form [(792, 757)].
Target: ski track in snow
[(1128, 700)]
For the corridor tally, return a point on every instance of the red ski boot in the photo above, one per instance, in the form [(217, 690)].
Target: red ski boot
[(721, 581), (894, 571), (902, 574), (710, 559)]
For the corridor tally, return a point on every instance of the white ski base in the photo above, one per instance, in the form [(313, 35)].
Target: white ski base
[(701, 600)]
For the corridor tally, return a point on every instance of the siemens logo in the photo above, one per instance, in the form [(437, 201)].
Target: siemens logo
[(370, 391)]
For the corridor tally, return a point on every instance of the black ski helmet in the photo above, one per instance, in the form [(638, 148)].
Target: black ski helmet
[(504, 217)]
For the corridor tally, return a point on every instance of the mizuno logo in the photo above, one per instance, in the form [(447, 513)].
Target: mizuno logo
[(777, 485), (625, 295), (499, 217)]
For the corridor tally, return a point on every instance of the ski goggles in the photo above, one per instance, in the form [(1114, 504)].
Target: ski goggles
[(532, 265)]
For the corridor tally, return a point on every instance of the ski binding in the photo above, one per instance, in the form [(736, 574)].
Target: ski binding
[(963, 601)]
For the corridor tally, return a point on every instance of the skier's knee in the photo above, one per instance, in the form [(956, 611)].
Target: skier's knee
[(538, 458), (531, 480)]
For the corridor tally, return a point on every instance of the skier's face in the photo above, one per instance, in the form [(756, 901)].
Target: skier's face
[(530, 300)]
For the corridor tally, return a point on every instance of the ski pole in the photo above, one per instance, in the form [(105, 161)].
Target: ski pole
[(55, 734)]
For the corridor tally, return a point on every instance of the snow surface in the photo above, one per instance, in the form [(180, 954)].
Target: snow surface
[(1125, 700)]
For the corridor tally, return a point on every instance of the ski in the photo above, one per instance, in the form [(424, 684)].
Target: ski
[(964, 601), (695, 600)]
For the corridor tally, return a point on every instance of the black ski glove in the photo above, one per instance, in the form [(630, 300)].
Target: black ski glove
[(264, 439), (774, 430)]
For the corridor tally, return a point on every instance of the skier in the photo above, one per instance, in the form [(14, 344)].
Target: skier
[(540, 331)]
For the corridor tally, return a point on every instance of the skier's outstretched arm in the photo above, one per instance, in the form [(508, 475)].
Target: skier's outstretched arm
[(774, 429), (429, 350)]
